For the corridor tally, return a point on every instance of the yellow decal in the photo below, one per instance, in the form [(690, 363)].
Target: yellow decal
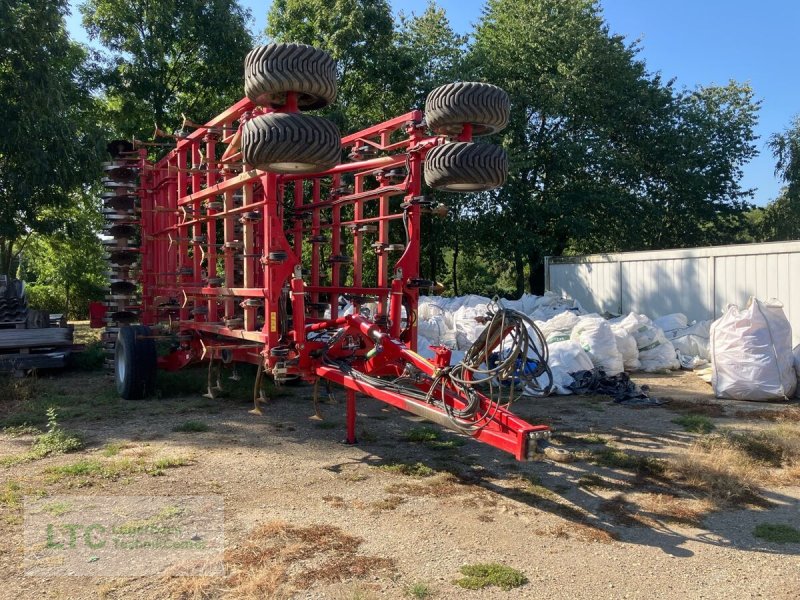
[(423, 359), (273, 322)]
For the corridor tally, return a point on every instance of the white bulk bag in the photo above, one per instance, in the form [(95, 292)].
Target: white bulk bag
[(594, 335), (670, 323), (694, 340), (751, 352), (656, 352), (565, 358), (626, 344), (559, 328)]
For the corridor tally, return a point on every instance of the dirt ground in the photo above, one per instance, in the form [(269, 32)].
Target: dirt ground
[(398, 514)]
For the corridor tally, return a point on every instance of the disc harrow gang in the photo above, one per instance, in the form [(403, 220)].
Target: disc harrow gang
[(264, 237)]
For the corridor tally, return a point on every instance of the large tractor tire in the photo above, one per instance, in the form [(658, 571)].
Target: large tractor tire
[(272, 70), (135, 362), (486, 107), (291, 143), (466, 167)]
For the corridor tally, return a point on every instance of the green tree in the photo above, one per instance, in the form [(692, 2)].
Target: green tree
[(782, 215), (603, 155), (50, 144), (374, 75), (66, 269), (165, 58), (436, 55)]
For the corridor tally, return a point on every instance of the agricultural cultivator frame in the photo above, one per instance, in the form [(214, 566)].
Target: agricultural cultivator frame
[(242, 244)]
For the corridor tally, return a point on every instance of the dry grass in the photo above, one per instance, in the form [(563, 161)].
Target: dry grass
[(443, 485), (669, 508), (696, 407), (583, 532), (278, 559), (388, 503), (790, 414), (730, 467)]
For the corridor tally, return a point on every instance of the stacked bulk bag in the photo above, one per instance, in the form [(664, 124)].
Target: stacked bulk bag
[(751, 352), (656, 352), (595, 336)]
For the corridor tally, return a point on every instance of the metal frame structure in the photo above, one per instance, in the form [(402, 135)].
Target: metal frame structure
[(244, 265)]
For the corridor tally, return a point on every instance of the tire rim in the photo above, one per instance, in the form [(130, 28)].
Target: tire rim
[(468, 187), (120, 364), (293, 167)]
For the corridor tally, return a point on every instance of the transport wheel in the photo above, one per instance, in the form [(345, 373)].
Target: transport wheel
[(486, 107), (291, 143), (135, 362), (466, 167), (272, 70)]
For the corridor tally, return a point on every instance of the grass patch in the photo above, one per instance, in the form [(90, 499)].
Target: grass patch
[(615, 458), (20, 430), (777, 533), (482, 575), (422, 435), (192, 427), (432, 438), (413, 470), (419, 591), (695, 423), (90, 469), (91, 358), (54, 441), (113, 448), (11, 495)]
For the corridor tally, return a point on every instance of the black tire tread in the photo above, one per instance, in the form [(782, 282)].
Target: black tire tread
[(487, 107), (141, 356), (274, 69), (484, 165), (291, 137)]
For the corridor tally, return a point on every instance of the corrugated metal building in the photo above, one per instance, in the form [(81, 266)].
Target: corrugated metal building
[(699, 282)]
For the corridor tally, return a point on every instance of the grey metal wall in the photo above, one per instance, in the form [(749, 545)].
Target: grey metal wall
[(699, 282)]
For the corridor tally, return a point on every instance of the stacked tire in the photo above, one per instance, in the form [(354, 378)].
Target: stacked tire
[(465, 166), (13, 303), (284, 77), (122, 233)]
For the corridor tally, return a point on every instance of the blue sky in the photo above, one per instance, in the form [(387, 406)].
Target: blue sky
[(694, 41)]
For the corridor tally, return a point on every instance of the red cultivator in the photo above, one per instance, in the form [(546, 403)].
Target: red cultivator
[(254, 230)]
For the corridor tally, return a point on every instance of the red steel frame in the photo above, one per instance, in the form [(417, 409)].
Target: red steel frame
[(182, 245)]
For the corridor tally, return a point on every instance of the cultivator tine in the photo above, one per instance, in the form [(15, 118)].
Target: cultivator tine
[(317, 416)]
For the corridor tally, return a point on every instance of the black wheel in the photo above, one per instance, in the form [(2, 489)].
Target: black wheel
[(483, 105), (291, 143), (466, 167), (135, 362), (272, 70)]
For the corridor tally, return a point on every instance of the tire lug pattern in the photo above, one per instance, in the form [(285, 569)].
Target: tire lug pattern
[(487, 107), (291, 137), (459, 163), (275, 69)]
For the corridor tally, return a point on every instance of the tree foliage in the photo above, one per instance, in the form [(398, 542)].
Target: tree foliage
[(50, 143), (604, 155), (66, 269), (781, 219), (165, 58), (374, 74)]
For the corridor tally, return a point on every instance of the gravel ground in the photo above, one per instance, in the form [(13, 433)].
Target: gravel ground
[(477, 504)]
